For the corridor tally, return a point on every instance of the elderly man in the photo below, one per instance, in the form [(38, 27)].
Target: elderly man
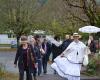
[(65, 43)]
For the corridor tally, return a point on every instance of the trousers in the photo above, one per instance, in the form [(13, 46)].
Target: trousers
[(28, 74)]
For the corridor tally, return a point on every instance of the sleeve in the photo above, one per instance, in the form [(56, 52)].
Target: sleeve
[(67, 49), (87, 50), (17, 55), (34, 54)]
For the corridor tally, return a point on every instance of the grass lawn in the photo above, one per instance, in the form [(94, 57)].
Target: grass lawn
[(7, 76), (5, 45), (10, 76)]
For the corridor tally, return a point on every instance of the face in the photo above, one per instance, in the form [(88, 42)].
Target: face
[(45, 41), (67, 37), (38, 41), (76, 38), (33, 41), (91, 37)]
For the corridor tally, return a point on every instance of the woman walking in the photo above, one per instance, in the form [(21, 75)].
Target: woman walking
[(74, 54), (92, 45), (26, 59), (68, 64), (37, 48)]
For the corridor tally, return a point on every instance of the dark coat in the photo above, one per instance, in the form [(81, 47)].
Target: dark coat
[(37, 51), (48, 50), (19, 58), (65, 44), (92, 47), (55, 51)]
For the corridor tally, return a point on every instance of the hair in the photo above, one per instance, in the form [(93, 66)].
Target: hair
[(36, 37), (57, 38), (24, 38)]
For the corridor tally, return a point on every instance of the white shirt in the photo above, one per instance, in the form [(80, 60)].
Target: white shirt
[(75, 52)]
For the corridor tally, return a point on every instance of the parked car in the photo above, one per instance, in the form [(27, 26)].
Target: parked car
[(14, 44)]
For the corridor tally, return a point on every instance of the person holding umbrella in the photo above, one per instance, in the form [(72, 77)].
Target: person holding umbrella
[(92, 45)]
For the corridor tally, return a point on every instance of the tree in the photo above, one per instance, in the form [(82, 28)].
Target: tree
[(18, 15), (84, 11)]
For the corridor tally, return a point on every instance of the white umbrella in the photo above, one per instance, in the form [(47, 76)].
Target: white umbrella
[(39, 32), (89, 29)]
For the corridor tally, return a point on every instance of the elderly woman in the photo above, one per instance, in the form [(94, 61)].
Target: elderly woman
[(26, 59), (68, 64)]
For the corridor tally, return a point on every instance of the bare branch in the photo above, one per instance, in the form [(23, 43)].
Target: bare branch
[(73, 5), (85, 21)]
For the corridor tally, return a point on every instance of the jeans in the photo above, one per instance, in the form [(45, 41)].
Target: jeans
[(39, 66), (44, 63)]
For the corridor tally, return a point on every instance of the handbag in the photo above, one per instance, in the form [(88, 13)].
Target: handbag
[(85, 60), (88, 50)]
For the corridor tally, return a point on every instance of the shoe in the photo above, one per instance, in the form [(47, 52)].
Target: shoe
[(35, 78), (55, 72), (45, 73)]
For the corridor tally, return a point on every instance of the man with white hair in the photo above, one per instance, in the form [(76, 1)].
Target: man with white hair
[(65, 43)]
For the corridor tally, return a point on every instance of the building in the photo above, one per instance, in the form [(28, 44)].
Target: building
[(7, 39)]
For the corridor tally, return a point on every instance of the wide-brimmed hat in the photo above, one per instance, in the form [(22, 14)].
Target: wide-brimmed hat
[(76, 35), (23, 39)]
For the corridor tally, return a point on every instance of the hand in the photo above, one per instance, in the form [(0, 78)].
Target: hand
[(36, 65), (15, 65), (42, 51), (62, 55)]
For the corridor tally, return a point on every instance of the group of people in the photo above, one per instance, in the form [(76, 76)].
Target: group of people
[(73, 56), (33, 56)]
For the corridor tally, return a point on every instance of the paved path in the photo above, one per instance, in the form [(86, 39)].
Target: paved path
[(7, 59)]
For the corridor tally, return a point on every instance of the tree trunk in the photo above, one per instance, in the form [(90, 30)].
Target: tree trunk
[(18, 38)]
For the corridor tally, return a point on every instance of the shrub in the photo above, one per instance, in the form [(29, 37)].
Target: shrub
[(93, 67)]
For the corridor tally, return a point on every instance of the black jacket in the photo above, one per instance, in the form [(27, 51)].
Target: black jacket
[(19, 57), (65, 44), (55, 51), (48, 50)]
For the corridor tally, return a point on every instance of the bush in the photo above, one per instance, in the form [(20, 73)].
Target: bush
[(93, 67)]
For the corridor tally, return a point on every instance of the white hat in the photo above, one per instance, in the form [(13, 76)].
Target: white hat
[(76, 34)]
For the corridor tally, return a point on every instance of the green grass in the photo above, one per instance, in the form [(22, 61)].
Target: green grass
[(6, 75), (7, 49), (5, 45)]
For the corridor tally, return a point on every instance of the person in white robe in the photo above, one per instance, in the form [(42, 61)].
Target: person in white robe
[(68, 64)]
